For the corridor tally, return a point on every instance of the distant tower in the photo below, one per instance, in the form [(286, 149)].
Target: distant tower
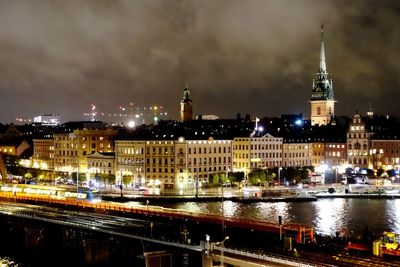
[(186, 106), (322, 98), (370, 112), (93, 113)]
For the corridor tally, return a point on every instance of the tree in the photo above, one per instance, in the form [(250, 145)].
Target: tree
[(126, 179), (218, 178), (257, 176), (235, 176)]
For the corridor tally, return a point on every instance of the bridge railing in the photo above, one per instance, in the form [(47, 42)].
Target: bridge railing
[(268, 257)]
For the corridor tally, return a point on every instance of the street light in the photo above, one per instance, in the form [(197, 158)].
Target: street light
[(73, 136), (221, 243), (279, 176)]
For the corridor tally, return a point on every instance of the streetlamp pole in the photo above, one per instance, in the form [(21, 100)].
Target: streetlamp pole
[(279, 176), (222, 250), (77, 172)]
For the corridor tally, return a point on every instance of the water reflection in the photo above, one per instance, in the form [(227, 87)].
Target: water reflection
[(393, 214), (330, 215), (271, 211), (230, 208)]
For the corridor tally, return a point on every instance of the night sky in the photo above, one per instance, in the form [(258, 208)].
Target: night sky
[(256, 57)]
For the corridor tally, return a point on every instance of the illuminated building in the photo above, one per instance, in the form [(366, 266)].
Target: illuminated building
[(358, 143), (296, 152), (197, 160), (43, 154), (170, 164), (71, 149), (385, 152), (322, 97), (101, 163), (318, 153), (130, 160), (186, 111), (257, 152), (241, 154), (335, 153), (47, 120)]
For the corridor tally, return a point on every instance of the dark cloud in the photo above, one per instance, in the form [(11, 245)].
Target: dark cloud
[(255, 57)]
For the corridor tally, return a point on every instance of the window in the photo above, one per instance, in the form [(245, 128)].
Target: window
[(357, 146), (318, 110)]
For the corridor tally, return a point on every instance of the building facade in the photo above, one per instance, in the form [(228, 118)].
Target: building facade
[(358, 143), (43, 154), (296, 152), (72, 149), (170, 164), (101, 164), (385, 153)]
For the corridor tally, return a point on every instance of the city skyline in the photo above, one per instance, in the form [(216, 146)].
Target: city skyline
[(258, 57)]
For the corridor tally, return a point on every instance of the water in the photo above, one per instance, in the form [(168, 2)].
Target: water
[(8, 262), (327, 216)]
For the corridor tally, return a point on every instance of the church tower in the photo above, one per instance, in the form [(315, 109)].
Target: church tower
[(186, 113), (322, 98)]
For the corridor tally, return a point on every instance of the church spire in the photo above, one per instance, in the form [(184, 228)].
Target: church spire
[(186, 93), (322, 96), (322, 88), (186, 113), (322, 61)]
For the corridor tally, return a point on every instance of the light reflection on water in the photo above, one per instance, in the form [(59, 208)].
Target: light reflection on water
[(328, 216), (393, 208), (8, 262)]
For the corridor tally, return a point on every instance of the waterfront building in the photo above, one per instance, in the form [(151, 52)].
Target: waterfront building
[(170, 164), (130, 161), (198, 160), (335, 153), (358, 143), (296, 152), (71, 149), (159, 168), (43, 154), (254, 152), (241, 154), (318, 153), (322, 97), (385, 152), (186, 111), (101, 163)]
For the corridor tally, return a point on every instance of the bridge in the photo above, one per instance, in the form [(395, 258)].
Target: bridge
[(133, 229), (168, 228), (170, 232)]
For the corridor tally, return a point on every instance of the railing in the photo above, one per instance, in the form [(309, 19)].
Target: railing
[(164, 212), (94, 226), (269, 257)]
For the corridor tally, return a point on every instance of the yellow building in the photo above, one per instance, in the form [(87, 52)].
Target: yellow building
[(101, 163), (130, 161), (257, 153), (170, 164), (296, 152), (43, 154), (318, 154), (71, 149)]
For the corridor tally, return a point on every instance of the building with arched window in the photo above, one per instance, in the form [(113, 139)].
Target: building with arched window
[(358, 143), (322, 97)]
